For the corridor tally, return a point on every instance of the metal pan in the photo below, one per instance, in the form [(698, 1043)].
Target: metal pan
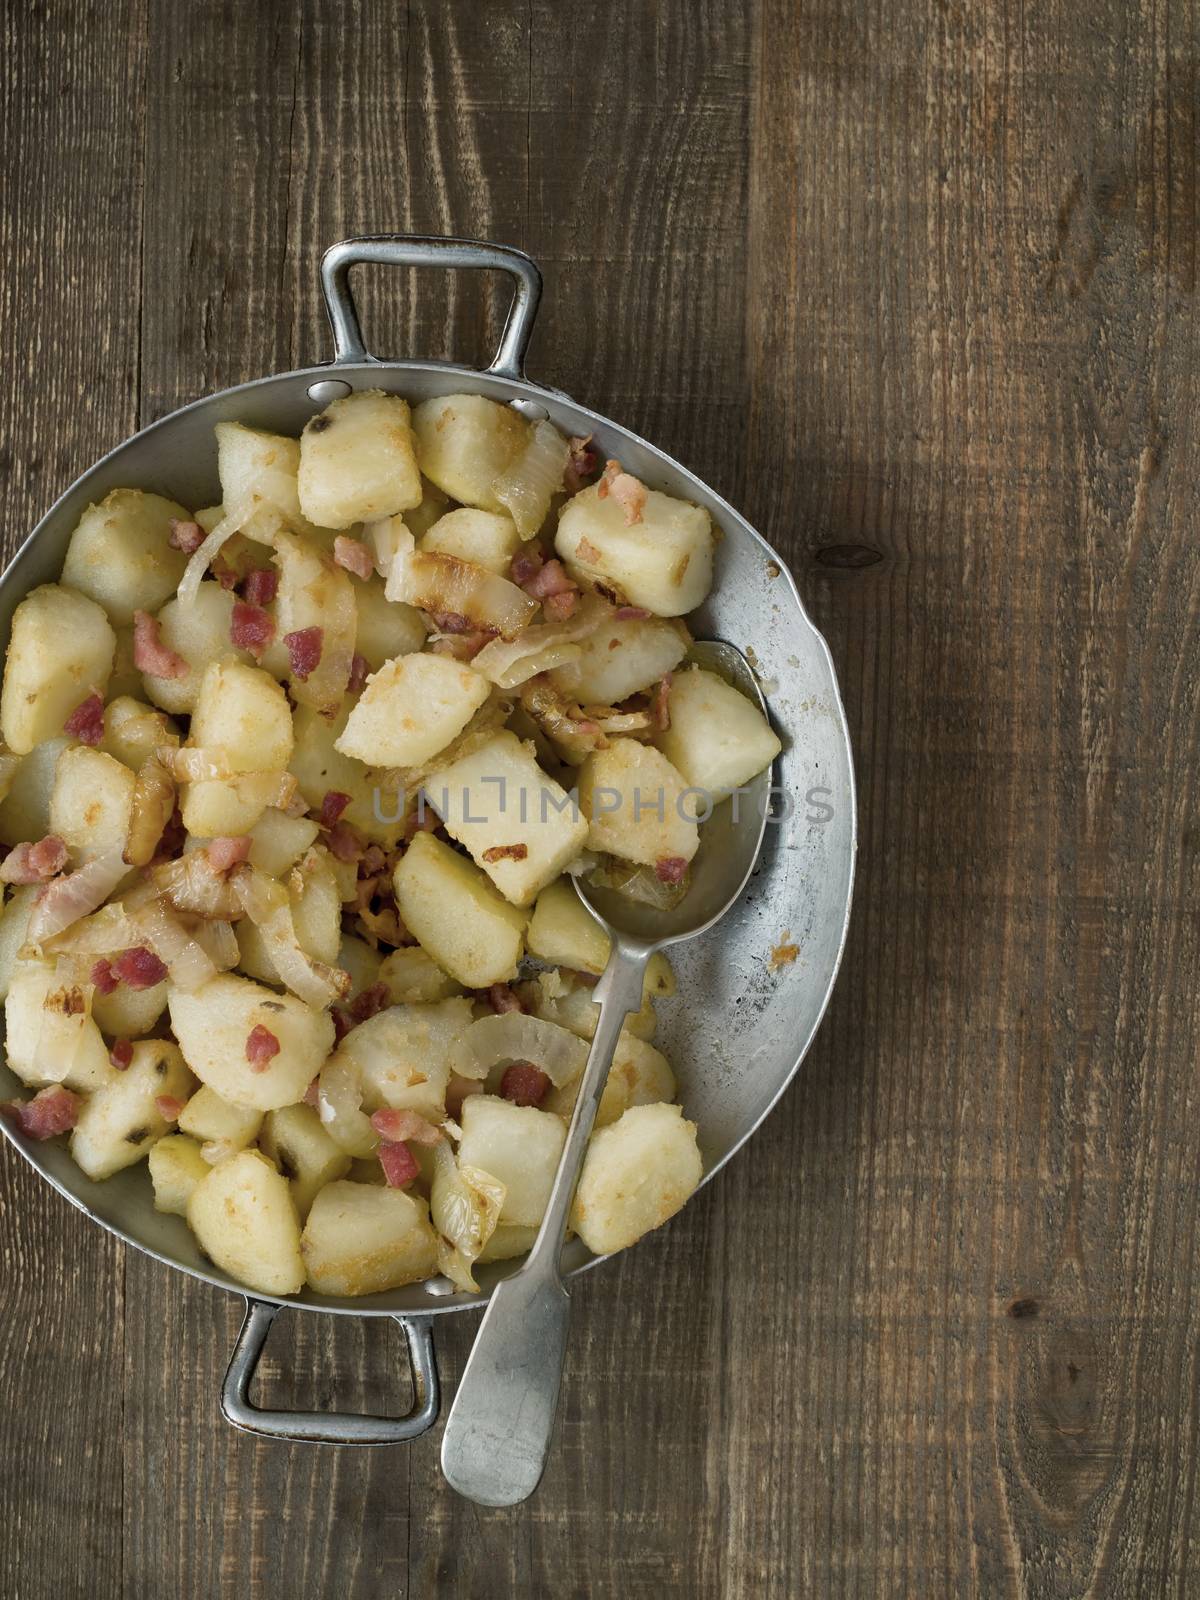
[(740, 1026)]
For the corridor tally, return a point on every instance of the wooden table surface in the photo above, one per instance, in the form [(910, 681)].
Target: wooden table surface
[(914, 286)]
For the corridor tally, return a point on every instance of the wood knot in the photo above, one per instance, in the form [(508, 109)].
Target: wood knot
[(849, 557), (1024, 1308)]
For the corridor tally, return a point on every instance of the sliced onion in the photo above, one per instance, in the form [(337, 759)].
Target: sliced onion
[(574, 735), (206, 552), (464, 1206), (393, 545), (219, 942), (515, 1036), (573, 1009), (189, 966), (639, 883), (211, 764), (339, 1106), (527, 486), (147, 728), (614, 722), (67, 899), (191, 764), (267, 905), (193, 886), (314, 592), (447, 586), (280, 792), (149, 812), (110, 928), (541, 647), (551, 986)]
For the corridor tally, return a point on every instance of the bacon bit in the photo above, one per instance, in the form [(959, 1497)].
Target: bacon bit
[(374, 860), (343, 1023), (588, 979), (631, 614), (549, 579), (86, 722), (369, 1004), (586, 551), (660, 709), (332, 806), (168, 1107), (150, 654), (559, 607), (185, 536), (527, 563), (506, 852), (312, 1095), (452, 622), (121, 1053), (399, 1165), (502, 998), (360, 669), (524, 1084), (139, 968), (558, 592), (102, 976), (48, 855), (462, 646), (304, 650), (227, 850), (398, 1126), (344, 842), (581, 464), (460, 1089), (51, 1111), (261, 1047), (34, 863), (354, 555), (365, 891), (260, 586), (225, 575), (629, 492), (250, 628), (670, 869)]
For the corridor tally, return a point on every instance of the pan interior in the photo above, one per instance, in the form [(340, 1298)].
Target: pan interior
[(751, 993)]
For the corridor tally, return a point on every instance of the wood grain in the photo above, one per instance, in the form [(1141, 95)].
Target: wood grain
[(65, 397), (914, 285)]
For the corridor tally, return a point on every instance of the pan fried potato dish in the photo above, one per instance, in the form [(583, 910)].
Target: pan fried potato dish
[(291, 791)]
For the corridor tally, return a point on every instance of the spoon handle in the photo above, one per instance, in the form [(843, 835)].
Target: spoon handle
[(498, 1431)]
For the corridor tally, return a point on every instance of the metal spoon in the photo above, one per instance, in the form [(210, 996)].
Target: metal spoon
[(499, 1428)]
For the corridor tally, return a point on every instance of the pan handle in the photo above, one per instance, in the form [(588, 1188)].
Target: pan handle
[(334, 1427), (413, 250)]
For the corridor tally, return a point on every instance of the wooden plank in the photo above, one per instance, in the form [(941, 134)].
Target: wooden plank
[(68, 381), (973, 245), (253, 123), (621, 170)]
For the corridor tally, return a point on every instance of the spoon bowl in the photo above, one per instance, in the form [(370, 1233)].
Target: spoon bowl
[(731, 837), (498, 1432)]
